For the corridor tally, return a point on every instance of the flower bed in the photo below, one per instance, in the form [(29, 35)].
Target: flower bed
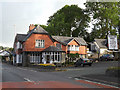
[(44, 66)]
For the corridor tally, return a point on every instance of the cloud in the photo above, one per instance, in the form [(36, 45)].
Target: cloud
[(22, 13)]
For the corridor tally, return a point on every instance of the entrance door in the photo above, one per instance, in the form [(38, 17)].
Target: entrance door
[(48, 59)]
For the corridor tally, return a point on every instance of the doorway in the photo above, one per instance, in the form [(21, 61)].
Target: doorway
[(48, 59)]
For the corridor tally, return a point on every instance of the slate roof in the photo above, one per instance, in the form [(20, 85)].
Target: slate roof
[(39, 29), (81, 40), (20, 37), (62, 39), (101, 43), (65, 40), (53, 49)]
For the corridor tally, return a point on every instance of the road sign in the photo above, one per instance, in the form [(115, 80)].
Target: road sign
[(112, 42)]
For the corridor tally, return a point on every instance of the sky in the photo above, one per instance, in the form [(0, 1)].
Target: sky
[(17, 15)]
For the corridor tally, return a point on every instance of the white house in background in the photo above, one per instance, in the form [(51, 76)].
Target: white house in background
[(100, 45), (5, 55)]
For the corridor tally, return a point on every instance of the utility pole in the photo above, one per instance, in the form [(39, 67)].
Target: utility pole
[(13, 47), (119, 38)]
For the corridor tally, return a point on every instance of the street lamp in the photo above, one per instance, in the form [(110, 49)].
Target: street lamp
[(119, 37)]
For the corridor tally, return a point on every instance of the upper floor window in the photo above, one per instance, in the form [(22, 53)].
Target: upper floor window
[(18, 45), (73, 48), (39, 43), (76, 48)]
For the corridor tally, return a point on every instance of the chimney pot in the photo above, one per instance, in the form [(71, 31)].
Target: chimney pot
[(31, 27)]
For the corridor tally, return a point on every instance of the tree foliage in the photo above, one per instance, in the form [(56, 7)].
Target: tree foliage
[(70, 20), (105, 18)]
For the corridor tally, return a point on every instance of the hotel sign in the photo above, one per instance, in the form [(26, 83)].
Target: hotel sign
[(112, 42)]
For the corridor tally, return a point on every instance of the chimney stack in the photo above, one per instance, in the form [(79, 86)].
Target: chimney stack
[(31, 27)]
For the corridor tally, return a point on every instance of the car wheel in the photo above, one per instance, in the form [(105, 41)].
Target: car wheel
[(90, 64), (82, 65)]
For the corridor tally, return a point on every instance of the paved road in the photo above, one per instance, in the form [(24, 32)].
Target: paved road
[(21, 77)]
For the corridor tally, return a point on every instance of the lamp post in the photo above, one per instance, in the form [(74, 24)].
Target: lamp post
[(68, 56), (119, 38)]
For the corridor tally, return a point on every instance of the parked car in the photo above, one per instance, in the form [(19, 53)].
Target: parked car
[(83, 62), (90, 54), (107, 57), (92, 60)]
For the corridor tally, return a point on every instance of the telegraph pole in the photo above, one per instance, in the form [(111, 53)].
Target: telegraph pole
[(119, 38)]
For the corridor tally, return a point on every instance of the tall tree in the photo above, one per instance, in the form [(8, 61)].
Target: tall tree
[(105, 18), (68, 21)]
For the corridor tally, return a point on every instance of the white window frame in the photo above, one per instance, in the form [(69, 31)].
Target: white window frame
[(35, 58), (76, 48), (40, 43), (73, 48), (18, 45)]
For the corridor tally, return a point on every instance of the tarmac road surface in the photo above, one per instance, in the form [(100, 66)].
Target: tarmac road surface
[(22, 77)]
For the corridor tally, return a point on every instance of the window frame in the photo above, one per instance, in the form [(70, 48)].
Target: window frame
[(73, 47), (39, 43)]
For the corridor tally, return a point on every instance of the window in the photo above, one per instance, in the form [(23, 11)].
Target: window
[(58, 45), (39, 44), (73, 48), (18, 45), (76, 48), (34, 58), (56, 57)]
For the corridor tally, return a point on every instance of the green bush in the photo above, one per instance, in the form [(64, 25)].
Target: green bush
[(70, 63), (113, 68), (73, 55)]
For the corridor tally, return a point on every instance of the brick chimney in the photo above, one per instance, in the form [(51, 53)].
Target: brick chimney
[(31, 27)]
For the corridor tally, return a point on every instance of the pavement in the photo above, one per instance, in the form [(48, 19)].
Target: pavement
[(115, 81)]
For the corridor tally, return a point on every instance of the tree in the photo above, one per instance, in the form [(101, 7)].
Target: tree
[(68, 21), (1, 48), (105, 18)]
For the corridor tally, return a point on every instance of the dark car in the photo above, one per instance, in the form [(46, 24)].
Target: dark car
[(83, 62), (107, 57)]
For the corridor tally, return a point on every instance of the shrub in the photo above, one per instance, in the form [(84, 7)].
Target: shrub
[(73, 55), (113, 68), (69, 63)]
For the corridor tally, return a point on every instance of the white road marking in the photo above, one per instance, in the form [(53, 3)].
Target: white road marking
[(98, 83), (28, 80), (77, 79), (33, 70), (99, 80)]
